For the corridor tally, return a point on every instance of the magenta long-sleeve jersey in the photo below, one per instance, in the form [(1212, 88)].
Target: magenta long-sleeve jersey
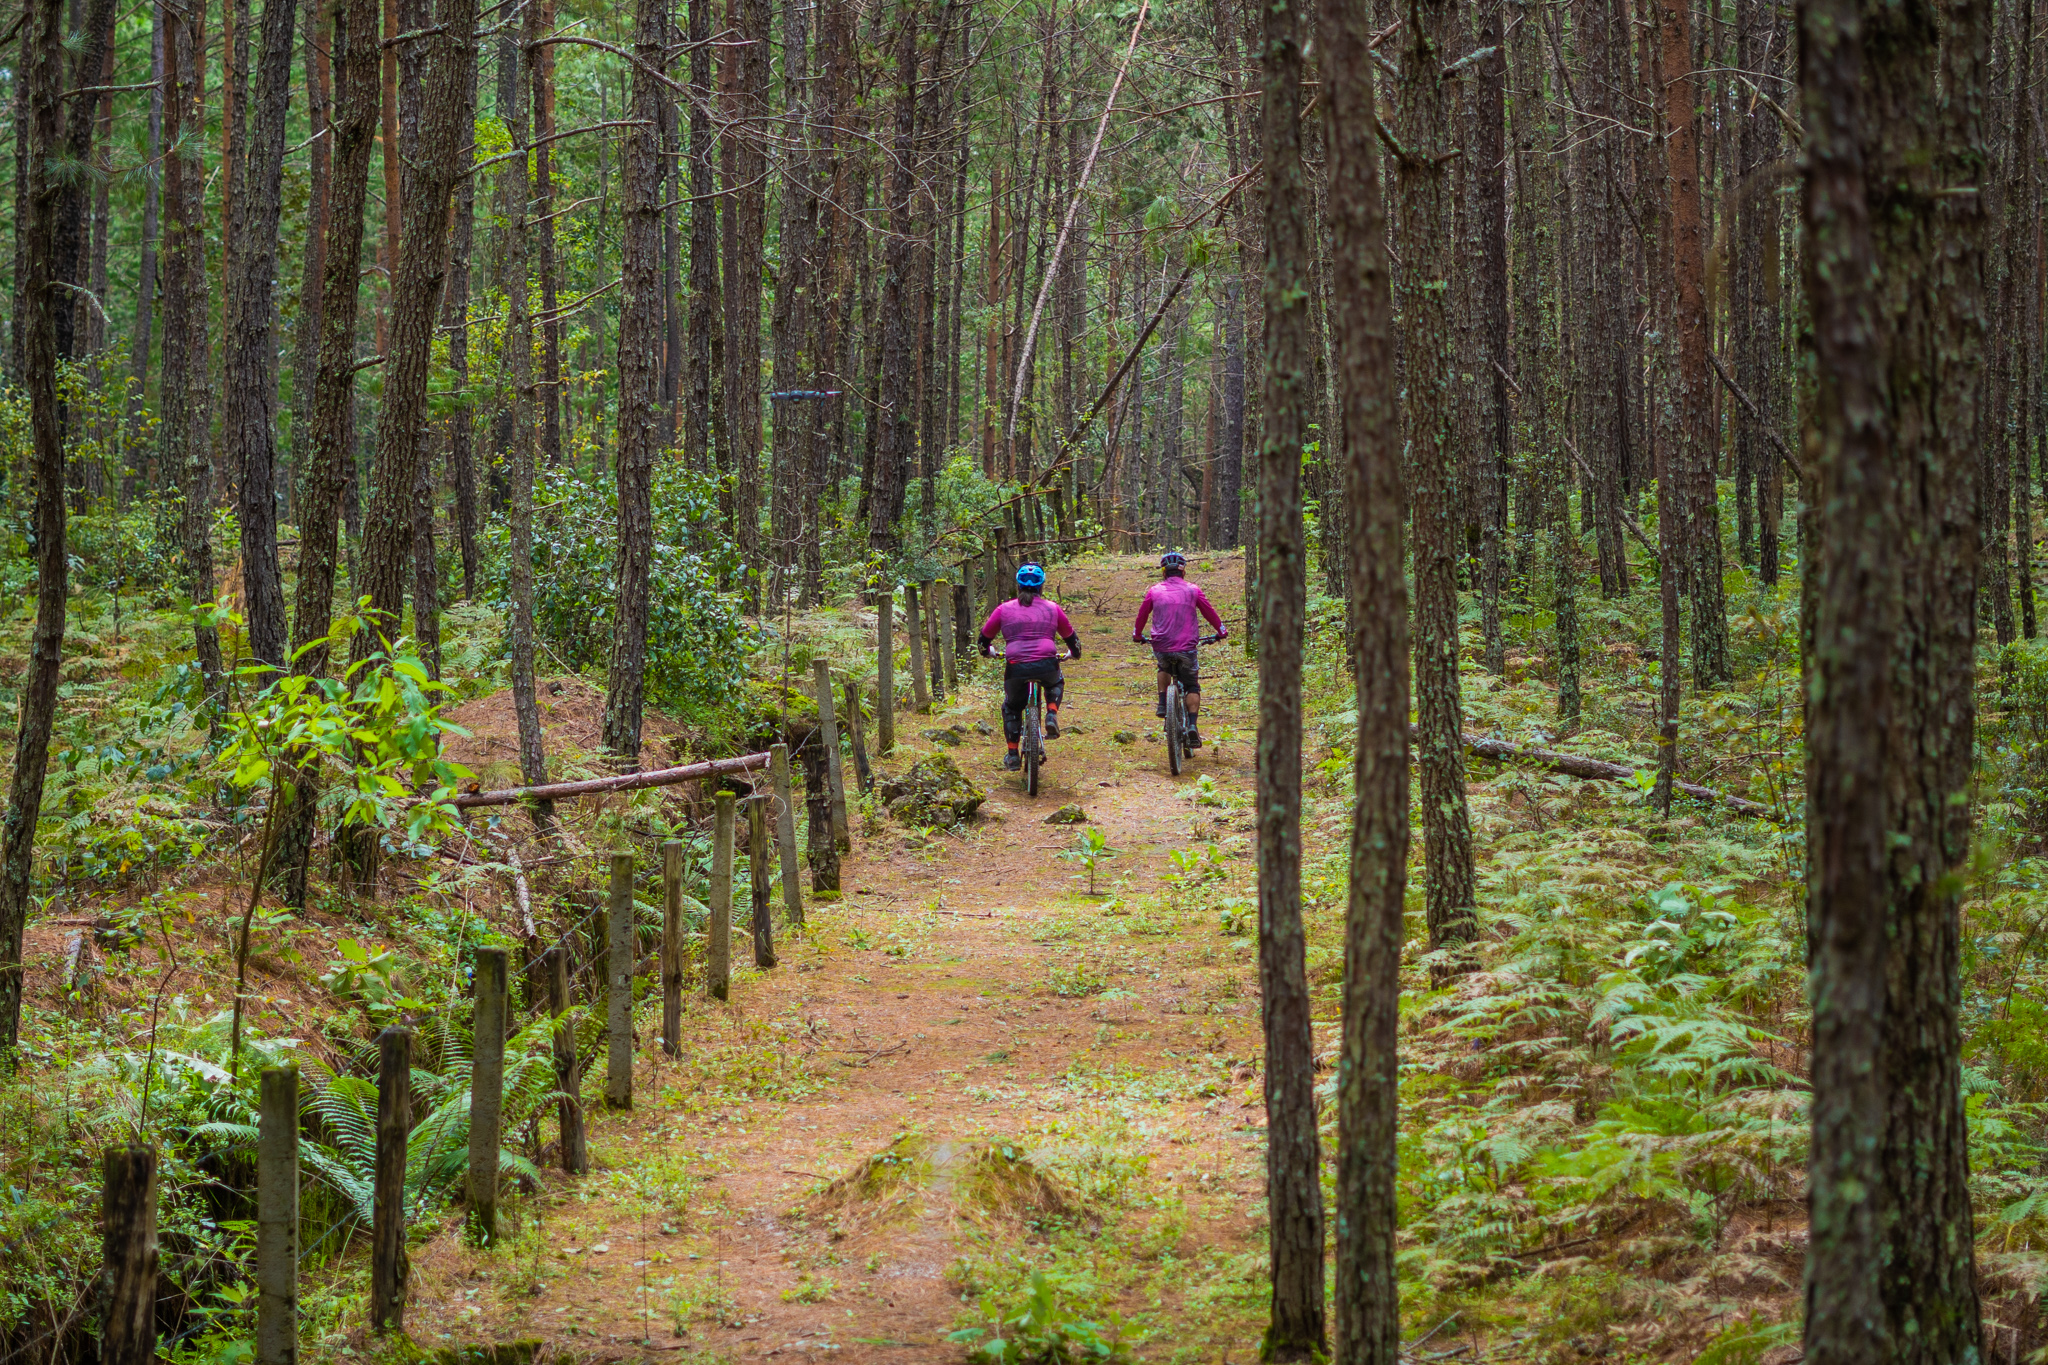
[(1171, 604)]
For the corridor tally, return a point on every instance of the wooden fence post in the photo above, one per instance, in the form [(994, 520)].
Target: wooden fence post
[(885, 670), (835, 774), (277, 1217), (486, 1093), (718, 934), (939, 606), (128, 1254), (568, 1071), (388, 1269), (963, 612), (785, 834), (913, 626), (857, 733), (672, 947), (625, 953), (823, 851), (757, 876)]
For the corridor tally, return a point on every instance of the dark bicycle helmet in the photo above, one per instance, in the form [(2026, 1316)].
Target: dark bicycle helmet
[(1173, 559), (1030, 576)]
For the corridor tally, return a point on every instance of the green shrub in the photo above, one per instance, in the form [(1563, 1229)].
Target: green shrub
[(697, 640)]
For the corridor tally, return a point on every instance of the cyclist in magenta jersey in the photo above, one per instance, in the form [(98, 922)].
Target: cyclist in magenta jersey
[(1172, 605), (1031, 627)]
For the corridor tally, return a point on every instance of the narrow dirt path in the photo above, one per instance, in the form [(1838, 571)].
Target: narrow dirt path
[(965, 990)]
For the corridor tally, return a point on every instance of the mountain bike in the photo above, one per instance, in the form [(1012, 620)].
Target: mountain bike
[(1180, 728), (1031, 744)]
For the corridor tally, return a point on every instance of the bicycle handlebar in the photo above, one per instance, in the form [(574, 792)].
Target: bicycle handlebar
[(1204, 639)]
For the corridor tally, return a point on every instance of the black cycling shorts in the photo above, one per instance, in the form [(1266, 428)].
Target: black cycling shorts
[(1017, 680), (1181, 667)]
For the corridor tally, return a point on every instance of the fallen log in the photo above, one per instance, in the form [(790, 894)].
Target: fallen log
[(1594, 769), (625, 782)]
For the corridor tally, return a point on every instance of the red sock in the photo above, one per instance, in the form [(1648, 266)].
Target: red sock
[(1013, 746), (1053, 707)]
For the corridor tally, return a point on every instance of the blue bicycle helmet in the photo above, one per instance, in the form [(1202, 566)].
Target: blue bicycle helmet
[(1173, 559), (1030, 576)]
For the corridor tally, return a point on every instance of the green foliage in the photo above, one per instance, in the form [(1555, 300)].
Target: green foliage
[(377, 730), (697, 641), (1090, 850), (1043, 1325)]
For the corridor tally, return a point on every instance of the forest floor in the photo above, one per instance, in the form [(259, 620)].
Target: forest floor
[(967, 996)]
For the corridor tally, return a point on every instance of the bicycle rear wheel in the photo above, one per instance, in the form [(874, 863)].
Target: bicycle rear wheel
[(1173, 724), (1034, 743)]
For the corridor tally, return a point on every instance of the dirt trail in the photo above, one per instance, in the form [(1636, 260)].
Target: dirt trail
[(963, 991)]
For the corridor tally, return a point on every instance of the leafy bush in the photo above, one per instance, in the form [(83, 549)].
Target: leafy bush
[(1044, 1326), (697, 640)]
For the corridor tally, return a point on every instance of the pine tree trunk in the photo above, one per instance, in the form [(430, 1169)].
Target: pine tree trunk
[(790, 323), (248, 392), (1368, 1296), (43, 43), (895, 415), (1496, 450), (640, 407), (433, 165), (330, 448), (516, 198), (541, 67), (306, 335), (1294, 1188), (184, 435), (746, 232), (1698, 448), (462, 417), (704, 306), (72, 260), (1425, 132), (146, 297), (1893, 270)]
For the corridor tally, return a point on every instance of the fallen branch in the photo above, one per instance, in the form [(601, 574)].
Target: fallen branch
[(1770, 432), (1635, 528), (625, 782), (1594, 769), (521, 897)]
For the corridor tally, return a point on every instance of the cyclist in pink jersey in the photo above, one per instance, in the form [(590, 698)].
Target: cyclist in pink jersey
[(1031, 627), (1171, 605)]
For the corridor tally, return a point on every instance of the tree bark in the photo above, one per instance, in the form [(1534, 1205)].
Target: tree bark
[(306, 335), (640, 408), (185, 372), (73, 310), (419, 272), (516, 194), (152, 191), (703, 247), (1425, 133), (1294, 1189), (896, 412), (331, 444), (248, 386), (461, 417), (1368, 1307), (746, 230), (1698, 449), (44, 45), (1893, 261), (541, 67), (1495, 445)]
